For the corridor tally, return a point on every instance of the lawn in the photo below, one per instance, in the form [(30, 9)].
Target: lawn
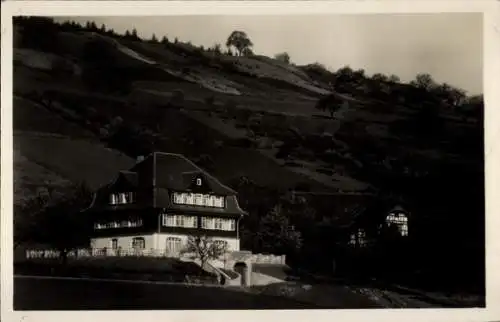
[(64, 294)]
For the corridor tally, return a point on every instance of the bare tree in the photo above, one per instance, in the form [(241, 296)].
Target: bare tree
[(205, 248)]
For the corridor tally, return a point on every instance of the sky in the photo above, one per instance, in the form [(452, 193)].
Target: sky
[(449, 46)]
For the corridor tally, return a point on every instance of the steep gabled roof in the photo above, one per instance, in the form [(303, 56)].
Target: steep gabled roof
[(129, 176), (176, 172)]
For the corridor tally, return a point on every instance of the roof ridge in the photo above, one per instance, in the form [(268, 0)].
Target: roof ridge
[(205, 172), (128, 171), (187, 172)]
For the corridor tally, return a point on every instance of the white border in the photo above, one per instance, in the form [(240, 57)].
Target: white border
[(135, 8)]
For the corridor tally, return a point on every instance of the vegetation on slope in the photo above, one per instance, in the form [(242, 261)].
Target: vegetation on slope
[(323, 130)]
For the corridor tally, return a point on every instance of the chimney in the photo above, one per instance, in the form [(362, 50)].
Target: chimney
[(140, 158)]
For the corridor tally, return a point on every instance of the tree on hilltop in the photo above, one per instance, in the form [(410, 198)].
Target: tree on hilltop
[(394, 79), (240, 41), (424, 81), (284, 57), (154, 40)]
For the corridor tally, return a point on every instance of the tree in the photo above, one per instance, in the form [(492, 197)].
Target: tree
[(217, 49), (247, 52), (380, 77), (330, 103), (284, 57), (63, 225), (134, 34), (25, 218), (276, 234), (40, 33), (56, 220), (164, 40), (424, 81), (154, 40), (239, 40), (394, 79), (204, 248)]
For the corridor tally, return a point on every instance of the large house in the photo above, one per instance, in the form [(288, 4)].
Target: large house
[(161, 201)]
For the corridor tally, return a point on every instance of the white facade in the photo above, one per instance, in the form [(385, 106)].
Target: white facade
[(161, 243)]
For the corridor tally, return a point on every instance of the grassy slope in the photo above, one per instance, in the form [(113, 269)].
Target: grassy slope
[(264, 85)]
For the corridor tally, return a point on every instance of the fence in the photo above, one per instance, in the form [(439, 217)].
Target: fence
[(108, 252), (103, 252), (268, 259)]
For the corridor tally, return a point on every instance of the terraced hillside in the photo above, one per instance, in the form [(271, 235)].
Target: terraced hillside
[(89, 101)]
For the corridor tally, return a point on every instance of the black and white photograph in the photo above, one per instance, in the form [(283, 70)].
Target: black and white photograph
[(226, 161)]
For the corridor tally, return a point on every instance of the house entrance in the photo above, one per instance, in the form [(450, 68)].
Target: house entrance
[(242, 269)]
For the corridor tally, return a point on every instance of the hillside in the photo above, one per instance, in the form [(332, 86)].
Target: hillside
[(89, 101)]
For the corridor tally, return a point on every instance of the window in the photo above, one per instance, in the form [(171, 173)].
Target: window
[(207, 223), (173, 245), (178, 198), (191, 222), (198, 199), (218, 223), (114, 243), (198, 182), (133, 222), (207, 201), (180, 221), (358, 238), (121, 198), (219, 202), (138, 243), (168, 221), (400, 220), (221, 243), (352, 241)]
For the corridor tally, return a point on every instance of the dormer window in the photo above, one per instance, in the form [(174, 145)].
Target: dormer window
[(121, 198)]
